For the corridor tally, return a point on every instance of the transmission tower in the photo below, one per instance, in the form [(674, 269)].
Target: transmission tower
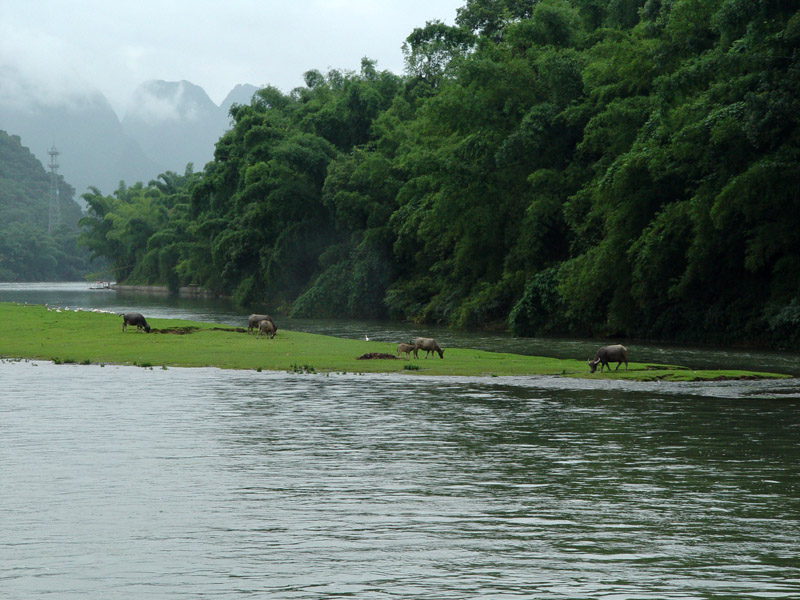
[(54, 219)]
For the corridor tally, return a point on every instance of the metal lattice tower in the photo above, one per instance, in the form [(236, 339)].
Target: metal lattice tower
[(54, 219)]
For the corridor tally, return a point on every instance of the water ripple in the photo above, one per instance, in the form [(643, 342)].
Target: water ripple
[(146, 483)]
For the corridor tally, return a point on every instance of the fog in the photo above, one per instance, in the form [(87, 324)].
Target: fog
[(53, 51)]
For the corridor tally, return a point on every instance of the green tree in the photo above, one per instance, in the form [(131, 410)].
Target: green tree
[(28, 250), (432, 52), (596, 167)]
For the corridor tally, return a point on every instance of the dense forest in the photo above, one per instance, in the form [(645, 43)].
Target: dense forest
[(28, 252), (590, 167)]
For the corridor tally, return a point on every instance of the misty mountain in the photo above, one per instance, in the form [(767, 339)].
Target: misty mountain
[(85, 129), (166, 126), (241, 94), (175, 123)]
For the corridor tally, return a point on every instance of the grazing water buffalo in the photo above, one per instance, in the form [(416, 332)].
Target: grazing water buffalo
[(608, 354), (407, 348), (254, 320), (266, 328), (135, 319), (427, 344)]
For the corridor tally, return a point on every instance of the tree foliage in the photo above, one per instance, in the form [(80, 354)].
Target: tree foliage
[(30, 248), (624, 167)]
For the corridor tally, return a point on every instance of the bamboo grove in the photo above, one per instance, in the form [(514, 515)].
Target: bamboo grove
[(586, 167)]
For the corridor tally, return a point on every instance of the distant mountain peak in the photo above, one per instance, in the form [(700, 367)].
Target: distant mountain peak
[(167, 125), (242, 93), (158, 100)]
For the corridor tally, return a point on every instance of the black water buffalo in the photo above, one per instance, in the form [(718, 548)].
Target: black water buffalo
[(427, 344), (608, 354), (135, 319)]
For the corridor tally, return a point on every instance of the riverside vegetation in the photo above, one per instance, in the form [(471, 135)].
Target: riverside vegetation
[(603, 168), (34, 332)]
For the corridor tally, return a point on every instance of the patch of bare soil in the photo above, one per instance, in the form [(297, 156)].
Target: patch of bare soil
[(372, 355), (185, 330), (176, 330)]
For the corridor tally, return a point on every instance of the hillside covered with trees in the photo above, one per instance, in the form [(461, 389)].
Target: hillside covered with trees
[(605, 167), (28, 252)]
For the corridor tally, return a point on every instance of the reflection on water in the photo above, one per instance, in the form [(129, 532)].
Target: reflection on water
[(158, 306), (223, 312), (121, 482)]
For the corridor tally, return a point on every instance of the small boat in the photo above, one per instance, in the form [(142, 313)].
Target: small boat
[(100, 285)]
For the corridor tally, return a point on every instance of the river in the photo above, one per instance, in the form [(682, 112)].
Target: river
[(133, 483)]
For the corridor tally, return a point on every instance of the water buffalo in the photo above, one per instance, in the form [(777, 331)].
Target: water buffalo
[(407, 348), (135, 319), (427, 344), (254, 320), (266, 328), (608, 354)]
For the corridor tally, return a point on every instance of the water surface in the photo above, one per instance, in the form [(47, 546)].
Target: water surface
[(132, 483), (123, 482)]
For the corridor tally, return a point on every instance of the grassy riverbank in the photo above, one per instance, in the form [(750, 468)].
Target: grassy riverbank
[(32, 331)]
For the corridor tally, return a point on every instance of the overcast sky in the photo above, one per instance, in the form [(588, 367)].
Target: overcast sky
[(115, 45)]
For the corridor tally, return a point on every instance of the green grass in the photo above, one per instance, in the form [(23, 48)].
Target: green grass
[(33, 332)]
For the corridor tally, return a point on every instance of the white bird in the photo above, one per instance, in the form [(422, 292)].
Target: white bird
[(366, 337)]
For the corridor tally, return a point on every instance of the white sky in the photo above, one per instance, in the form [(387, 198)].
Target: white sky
[(115, 45)]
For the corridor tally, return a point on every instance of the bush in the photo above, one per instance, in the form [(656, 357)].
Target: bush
[(541, 309), (487, 304), (784, 323)]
